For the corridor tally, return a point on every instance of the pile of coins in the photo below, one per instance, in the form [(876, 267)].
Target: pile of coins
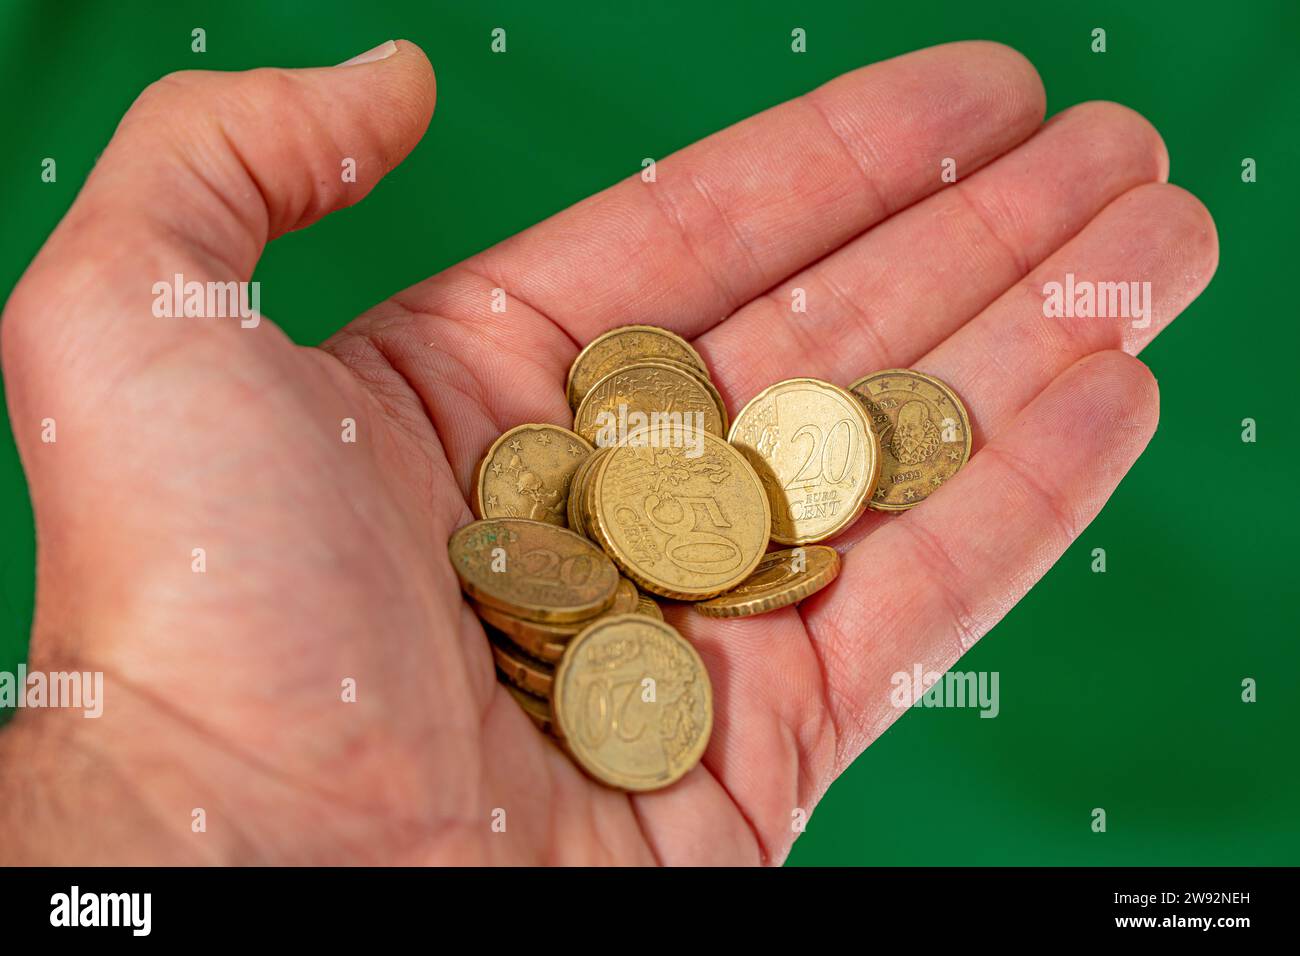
[(654, 491)]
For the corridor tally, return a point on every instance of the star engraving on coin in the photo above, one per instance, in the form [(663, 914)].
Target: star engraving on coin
[(924, 433), (625, 346), (526, 474)]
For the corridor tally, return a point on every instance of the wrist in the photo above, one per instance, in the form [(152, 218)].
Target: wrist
[(64, 800)]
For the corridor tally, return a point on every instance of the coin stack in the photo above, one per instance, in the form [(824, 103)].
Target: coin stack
[(654, 491)]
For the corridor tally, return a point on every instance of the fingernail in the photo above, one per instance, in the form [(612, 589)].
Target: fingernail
[(381, 52)]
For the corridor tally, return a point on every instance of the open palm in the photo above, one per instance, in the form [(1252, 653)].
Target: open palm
[(323, 561)]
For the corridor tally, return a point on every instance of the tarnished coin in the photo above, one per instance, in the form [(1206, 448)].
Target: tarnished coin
[(674, 402), (924, 434), (649, 607), (578, 493), (546, 642), (537, 708), (521, 668), (574, 512), (703, 379), (625, 599), (816, 452), (633, 702), (782, 578), (679, 524), (526, 474), (625, 346), (532, 569)]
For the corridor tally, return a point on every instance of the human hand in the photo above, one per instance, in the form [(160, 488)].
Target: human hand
[(326, 560)]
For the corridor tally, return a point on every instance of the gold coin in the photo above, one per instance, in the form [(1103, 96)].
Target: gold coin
[(649, 607), (625, 346), (521, 668), (532, 569), (816, 452), (584, 500), (526, 474), (574, 512), (673, 402), (584, 494), (782, 578), (924, 434), (703, 379), (546, 642), (625, 599), (537, 709), (633, 702), (679, 526)]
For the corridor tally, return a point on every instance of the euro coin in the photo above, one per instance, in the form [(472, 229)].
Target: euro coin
[(625, 346), (703, 379), (816, 452), (537, 708), (668, 398), (679, 524), (532, 569), (633, 702), (526, 474), (782, 578), (649, 606), (546, 642), (579, 492), (924, 434), (522, 669), (574, 510), (625, 599)]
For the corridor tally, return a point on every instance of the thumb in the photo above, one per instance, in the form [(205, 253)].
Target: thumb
[(203, 170)]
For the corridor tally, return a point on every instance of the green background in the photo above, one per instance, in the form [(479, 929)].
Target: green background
[(1119, 690)]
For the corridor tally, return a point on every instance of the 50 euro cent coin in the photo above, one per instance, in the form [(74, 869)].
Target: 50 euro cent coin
[(668, 396), (625, 346), (680, 525)]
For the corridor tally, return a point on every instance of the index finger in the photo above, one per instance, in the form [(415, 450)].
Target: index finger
[(730, 216)]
